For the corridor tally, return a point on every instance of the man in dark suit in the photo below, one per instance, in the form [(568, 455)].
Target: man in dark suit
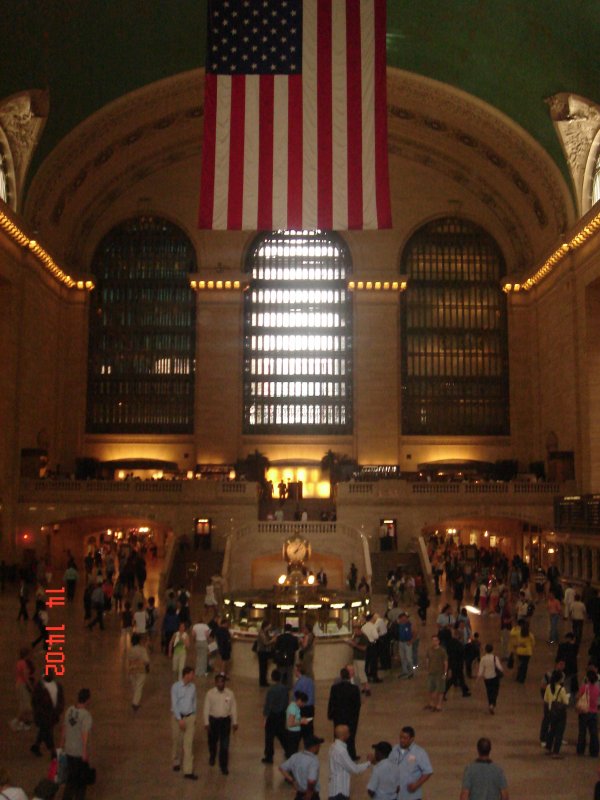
[(344, 708), (286, 646)]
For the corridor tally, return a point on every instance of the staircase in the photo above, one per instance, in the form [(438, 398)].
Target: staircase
[(194, 568), (382, 563)]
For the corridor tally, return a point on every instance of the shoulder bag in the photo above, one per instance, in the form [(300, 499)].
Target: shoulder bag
[(582, 706)]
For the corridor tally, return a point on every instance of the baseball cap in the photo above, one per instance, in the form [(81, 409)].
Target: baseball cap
[(311, 741), (385, 748)]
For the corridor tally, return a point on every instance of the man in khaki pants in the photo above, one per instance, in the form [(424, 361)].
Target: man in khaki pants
[(183, 724), (138, 665)]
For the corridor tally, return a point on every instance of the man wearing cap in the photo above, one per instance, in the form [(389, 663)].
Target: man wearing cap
[(220, 714), (302, 770), (384, 783), (341, 766), (414, 765), (482, 779), (183, 708)]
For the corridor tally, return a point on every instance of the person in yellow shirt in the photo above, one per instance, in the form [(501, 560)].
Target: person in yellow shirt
[(521, 642)]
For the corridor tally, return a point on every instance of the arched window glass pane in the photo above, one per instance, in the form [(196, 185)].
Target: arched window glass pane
[(298, 335), (3, 178), (142, 329), (596, 183), (454, 333)]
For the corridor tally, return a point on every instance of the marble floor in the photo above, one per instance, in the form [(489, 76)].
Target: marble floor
[(132, 751)]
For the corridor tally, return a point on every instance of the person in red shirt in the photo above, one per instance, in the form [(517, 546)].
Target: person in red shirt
[(554, 609)]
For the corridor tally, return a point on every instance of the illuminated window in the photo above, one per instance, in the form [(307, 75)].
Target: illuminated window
[(454, 333), (596, 183), (298, 335), (3, 177), (142, 323)]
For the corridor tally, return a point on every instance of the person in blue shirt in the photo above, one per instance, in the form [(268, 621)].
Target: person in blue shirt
[(414, 765), (302, 770), (305, 684), (384, 782), (405, 641), (294, 723)]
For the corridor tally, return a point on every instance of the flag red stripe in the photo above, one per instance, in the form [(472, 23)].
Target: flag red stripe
[(324, 113), (354, 113), (207, 195), (294, 190), (382, 186), (236, 152), (265, 152)]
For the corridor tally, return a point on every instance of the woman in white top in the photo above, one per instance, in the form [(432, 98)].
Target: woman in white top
[(490, 669), (178, 649)]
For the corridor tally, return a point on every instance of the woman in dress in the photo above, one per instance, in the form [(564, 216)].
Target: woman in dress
[(25, 681), (178, 647), (307, 650), (588, 720), (264, 646), (490, 669)]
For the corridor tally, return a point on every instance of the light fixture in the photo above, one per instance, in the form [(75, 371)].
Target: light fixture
[(310, 580), (281, 580), (337, 605), (356, 604), (239, 603), (313, 606), (259, 605)]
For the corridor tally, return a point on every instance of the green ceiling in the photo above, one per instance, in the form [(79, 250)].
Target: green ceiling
[(511, 53)]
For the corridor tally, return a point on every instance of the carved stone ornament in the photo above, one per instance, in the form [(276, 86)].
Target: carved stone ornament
[(577, 123), (22, 119)]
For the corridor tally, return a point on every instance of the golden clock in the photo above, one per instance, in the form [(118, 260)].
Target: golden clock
[(296, 550)]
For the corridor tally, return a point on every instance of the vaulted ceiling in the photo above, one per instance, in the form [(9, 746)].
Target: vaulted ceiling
[(511, 53)]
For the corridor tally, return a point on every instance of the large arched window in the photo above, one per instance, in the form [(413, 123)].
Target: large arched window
[(454, 333), (596, 182), (142, 331), (298, 335)]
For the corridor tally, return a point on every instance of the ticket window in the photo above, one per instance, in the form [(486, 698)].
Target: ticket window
[(202, 533), (387, 534)]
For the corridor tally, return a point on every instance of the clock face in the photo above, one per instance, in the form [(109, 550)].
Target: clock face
[(296, 550)]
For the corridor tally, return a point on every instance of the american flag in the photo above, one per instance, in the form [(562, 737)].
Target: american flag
[(295, 119)]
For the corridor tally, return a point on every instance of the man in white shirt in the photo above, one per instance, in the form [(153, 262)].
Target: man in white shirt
[(139, 620), (201, 632), (370, 631), (220, 715), (341, 766)]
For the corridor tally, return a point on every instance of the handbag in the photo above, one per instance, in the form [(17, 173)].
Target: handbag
[(582, 706), (499, 672), (255, 646), (558, 710), (89, 774)]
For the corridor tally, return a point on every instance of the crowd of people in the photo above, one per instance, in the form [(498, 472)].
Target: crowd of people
[(387, 644)]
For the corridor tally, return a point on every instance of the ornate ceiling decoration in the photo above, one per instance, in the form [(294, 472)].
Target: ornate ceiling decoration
[(491, 161)]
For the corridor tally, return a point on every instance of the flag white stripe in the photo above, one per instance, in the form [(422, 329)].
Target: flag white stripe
[(251, 151), (309, 114), (280, 153), (222, 140), (339, 100), (367, 35)]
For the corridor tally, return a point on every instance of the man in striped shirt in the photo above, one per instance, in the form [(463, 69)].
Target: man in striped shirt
[(341, 766)]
